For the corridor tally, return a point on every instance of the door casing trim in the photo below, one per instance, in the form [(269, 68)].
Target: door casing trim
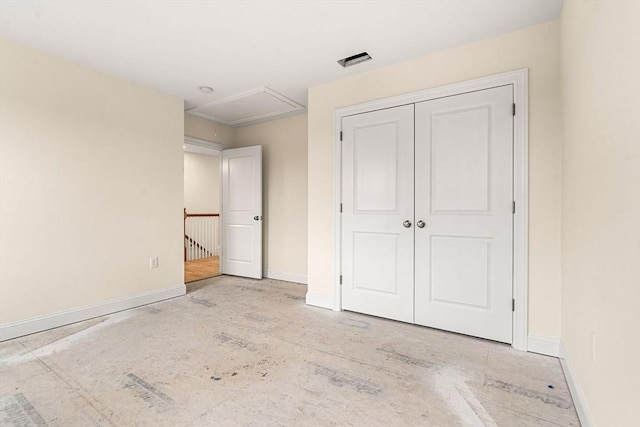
[(519, 79)]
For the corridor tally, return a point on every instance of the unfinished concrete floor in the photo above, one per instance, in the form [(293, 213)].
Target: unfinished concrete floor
[(239, 352)]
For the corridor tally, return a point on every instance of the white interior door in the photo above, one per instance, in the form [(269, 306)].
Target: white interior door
[(377, 198), (464, 194), (242, 212)]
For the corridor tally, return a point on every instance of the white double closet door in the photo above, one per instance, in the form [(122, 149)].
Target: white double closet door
[(427, 220)]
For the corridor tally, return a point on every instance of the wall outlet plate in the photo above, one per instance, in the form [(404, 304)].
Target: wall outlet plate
[(153, 262)]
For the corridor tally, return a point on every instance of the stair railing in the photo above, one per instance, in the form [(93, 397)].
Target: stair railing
[(201, 235)]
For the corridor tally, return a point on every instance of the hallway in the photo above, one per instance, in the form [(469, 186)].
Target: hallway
[(203, 268)]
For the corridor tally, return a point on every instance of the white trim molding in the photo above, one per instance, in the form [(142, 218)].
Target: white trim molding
[(519, 80), (286, 277), (201, 146), (544, 345), (322, 301), (579, 400), (67, 317)]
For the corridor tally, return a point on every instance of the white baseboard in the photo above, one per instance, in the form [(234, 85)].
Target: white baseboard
[(579, 400), (543, 345), (287, 277), (61, 318), (322, 301)]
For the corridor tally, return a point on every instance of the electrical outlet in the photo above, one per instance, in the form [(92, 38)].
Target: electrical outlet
[(153, 262)]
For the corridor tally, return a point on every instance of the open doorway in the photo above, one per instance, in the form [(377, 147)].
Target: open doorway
[(201, 214)]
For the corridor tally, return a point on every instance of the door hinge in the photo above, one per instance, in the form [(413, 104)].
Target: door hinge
[(513, 207), (514, 108), (340, 135), (513, 305), (340, 207), (341, 279)]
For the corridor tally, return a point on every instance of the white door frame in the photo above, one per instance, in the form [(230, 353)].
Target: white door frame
[(208, 148), (519, 79), (200, 146)]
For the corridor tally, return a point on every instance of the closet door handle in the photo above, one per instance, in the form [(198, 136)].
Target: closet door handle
[(406, 223), (421, 224)]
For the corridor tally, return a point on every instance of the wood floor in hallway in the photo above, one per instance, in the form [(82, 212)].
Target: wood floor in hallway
[(203, 268)]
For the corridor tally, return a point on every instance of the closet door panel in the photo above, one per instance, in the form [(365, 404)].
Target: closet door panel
[(464, 193), (460, 162), (377, 197)]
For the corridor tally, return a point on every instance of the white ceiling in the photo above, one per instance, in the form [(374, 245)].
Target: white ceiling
[(242, 47)]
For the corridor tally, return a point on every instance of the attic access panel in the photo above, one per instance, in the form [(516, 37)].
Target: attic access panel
[(247, 107)]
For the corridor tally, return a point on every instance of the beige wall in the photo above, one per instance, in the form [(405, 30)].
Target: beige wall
[(601, 205), (284, 144), (535, 48), (201, 183), (90, 186), (200, 128)]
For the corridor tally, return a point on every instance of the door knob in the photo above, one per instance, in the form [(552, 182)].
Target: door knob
[(257, 218), (407, 223), (420, 224)]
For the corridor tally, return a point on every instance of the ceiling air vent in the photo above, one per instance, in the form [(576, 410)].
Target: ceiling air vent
[(355, 59)]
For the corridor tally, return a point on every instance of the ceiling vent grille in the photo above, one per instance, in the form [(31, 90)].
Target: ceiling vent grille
[(354, 59)]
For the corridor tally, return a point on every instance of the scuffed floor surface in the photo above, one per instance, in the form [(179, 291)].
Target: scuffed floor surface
[(239, 352)]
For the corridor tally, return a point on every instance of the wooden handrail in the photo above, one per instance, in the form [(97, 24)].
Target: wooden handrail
[(188, 215)]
